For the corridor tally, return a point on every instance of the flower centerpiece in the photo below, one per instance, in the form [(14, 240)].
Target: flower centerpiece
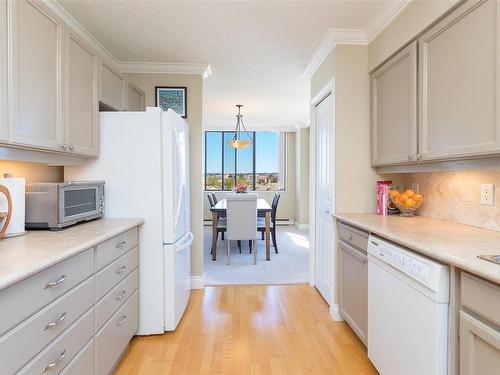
[(241, 188)]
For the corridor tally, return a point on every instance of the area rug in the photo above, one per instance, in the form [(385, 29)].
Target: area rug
[(290, 266)]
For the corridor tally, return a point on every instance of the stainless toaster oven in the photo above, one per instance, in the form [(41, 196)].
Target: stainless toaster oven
[(51, 205)]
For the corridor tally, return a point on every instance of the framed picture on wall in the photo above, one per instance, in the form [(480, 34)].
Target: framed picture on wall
[(172, 97)]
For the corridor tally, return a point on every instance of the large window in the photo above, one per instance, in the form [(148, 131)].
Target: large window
[(261, 165)]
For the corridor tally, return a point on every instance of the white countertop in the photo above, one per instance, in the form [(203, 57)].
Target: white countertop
[(451, 243), (23, 256)]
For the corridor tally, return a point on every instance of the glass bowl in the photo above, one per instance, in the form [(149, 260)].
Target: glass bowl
[(404, 208)]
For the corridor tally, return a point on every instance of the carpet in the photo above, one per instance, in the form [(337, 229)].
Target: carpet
[(290, 266)]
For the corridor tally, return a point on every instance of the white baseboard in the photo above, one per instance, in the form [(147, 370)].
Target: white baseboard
[(198, 282), (335, 313), (301, 226)]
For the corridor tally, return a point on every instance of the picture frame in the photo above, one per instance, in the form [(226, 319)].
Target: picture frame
[(172, 97)]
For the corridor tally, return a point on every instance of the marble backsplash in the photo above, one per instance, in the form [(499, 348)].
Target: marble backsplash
[(455, 196)]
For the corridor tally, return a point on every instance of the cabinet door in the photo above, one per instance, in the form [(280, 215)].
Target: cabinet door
[(135, 99), (479, 347), (4, 118), (36, 72), (354, 289), (459, 70), (80, 131), (394, 109), (112, 87)]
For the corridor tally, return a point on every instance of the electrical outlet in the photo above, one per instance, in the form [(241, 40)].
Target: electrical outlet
[(488, 194)]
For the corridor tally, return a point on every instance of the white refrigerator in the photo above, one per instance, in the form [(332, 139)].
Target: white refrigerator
[(144, 160)]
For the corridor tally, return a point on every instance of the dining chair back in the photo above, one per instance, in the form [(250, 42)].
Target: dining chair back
[(210, 200), (214, 198), (274, 207), (241, 220)]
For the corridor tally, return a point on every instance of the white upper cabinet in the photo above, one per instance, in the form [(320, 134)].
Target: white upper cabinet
[(80, 130), (36, 105), (459, 86), (4, 117), (394, 109), (112, 88), (135, 98)]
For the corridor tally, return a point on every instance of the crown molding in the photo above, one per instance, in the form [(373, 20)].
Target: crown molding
[(328, 43), (68, 19), (164, 68), (384, 18), (354, 36)]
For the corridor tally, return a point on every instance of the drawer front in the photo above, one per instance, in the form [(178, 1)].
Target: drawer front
[(114, 299), (114, 248), (61, 351), (108, 277), (28, 296), (83, 363), (113, 338), (481, 297), (353, 236), (22, 343)]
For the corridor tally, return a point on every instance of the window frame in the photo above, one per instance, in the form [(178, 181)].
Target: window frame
[(283, 184)]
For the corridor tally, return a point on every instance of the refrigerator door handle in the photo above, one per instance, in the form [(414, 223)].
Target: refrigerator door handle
[(181, 186), (185, 244)]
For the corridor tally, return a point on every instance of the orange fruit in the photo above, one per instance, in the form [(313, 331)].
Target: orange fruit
[(410, 193), (418, 198), (394, 194), (402, 198), (410, 203)]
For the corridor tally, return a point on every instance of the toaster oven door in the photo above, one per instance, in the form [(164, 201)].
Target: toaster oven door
[(78, 202)]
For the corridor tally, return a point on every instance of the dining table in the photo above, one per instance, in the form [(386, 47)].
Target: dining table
[(220, 208)]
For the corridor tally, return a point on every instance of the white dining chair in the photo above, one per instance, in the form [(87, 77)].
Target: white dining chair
[(241, 221)]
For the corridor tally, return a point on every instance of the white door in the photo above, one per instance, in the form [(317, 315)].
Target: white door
[(176, 176), (324, 197)]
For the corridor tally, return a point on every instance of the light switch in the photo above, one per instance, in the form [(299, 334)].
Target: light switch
[(488, 194)]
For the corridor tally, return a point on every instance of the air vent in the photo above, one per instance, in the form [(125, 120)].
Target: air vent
[(36, 188)]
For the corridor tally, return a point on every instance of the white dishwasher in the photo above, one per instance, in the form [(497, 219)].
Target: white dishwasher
[(408, 299)]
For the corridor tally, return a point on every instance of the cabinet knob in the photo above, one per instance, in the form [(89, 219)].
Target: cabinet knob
[(71, 147), (64, 147), (419, 156), (410, 156)]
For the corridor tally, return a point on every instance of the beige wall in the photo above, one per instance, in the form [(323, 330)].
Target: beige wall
[(286, 207), (455, 196), (32, 171), (324, 74), (194, 84), (408, 24), (302, 177)]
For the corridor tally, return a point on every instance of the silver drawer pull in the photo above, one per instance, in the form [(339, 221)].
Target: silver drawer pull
[(121, 244), (54, 283), (122, 320), (56, 322), (121, 295), (56, 362), (121, 269)]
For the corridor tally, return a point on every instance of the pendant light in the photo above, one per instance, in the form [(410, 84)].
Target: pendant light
[(236, 142)]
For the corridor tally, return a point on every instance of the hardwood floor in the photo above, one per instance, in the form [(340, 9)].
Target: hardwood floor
[(251, 329)]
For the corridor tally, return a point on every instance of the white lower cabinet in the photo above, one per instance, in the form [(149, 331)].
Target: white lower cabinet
[(17, 347), (56, 321), (4, 118), (58, 354), (83, 363), (114, 337)]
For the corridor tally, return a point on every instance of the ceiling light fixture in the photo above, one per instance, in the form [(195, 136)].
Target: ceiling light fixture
[(236, 141)]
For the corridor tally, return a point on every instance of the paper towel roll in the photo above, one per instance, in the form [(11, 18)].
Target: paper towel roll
[(16, 189)]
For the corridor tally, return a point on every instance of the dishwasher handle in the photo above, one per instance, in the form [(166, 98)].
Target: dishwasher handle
[(352, 251)]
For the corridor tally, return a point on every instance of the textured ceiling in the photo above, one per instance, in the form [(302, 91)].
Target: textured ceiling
[(257, 50)]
